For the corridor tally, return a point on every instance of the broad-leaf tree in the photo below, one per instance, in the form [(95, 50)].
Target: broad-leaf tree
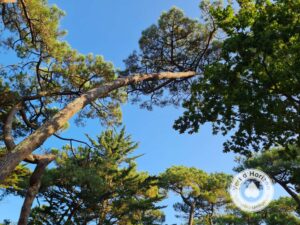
[(253, 90), (283, 168)]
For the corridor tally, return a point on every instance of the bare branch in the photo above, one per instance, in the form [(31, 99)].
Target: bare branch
[(71, 140), (30, 25)]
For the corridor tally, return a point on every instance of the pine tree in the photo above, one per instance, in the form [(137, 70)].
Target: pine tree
[(99, 184)]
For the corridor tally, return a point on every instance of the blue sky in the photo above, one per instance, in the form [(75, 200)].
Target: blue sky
[(112, 28)]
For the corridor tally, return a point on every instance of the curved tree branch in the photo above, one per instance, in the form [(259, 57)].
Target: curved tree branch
[(7, 128), (29, 22), (9, 161), (34, 186)]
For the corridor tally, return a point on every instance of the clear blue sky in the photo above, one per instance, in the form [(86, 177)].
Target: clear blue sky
[(112, 28)]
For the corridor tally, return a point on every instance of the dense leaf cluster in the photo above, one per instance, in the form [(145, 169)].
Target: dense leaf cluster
[(253, 90)]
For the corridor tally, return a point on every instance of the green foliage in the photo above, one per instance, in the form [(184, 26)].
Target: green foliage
[(100, 185), (46, 72), (204, 194), (281, 164), (16, 180), (281, 211), (250, 86), (253, 90), (176, 43)]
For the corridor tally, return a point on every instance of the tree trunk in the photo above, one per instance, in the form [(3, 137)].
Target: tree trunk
[(191, 215), (289, 191), (210, 220), (9, 161), (211, 214), (34, 186)]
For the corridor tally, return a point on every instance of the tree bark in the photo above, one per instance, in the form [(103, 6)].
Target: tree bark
[(289, 191), (9, 161), (34, 186), (7, 136), (191, 215), (211, 214)]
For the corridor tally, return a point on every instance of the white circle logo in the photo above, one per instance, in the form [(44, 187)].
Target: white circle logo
[(251, 190)]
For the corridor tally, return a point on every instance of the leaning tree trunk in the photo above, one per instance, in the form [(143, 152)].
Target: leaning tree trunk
[(9, 161), (294, 195), (34, 186)]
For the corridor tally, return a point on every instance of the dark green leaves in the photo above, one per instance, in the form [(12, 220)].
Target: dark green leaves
[(99, 184), (253, 90), (176, 43)]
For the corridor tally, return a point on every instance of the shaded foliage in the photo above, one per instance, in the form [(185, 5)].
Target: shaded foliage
[(176, 43), (253, 90), (281, 164), (281, 211)]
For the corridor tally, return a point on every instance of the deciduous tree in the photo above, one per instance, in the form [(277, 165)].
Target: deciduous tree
[(253, 90), (283, 168)]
